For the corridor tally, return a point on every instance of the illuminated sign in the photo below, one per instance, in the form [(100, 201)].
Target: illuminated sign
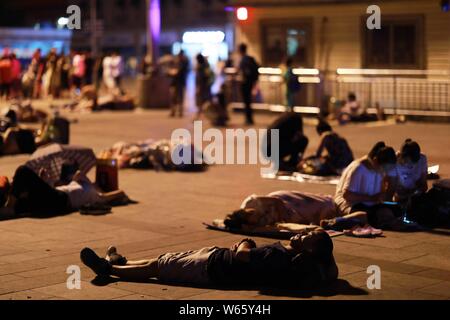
[(203, 37)]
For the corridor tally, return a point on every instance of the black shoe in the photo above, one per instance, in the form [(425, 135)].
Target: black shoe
[(114, 258), (99, 265)]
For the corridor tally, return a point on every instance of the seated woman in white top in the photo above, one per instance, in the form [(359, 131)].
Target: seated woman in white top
[(366, 184), (412, 171)]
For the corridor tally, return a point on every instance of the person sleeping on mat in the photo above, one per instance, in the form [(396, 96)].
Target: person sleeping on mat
[(305, 262), (263, 212)]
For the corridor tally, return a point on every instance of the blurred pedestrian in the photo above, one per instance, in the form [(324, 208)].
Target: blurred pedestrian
[(89, 66), (40, 62), (178, 73), (204, 78), (16, 72), (116, 65), (249, 71), (5, 74), (98, 72), (50, 82), (64, 65), (79, 70), (292, 84)]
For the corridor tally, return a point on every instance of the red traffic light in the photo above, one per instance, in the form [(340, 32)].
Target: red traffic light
[(242, 13)]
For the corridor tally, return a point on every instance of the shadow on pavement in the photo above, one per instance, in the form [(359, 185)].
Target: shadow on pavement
[(339, 287)]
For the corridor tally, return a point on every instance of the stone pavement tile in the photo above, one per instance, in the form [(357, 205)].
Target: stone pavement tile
[(18, 267), (407, 281), (8, 250), (224, 295), (160, 291), (399, 267), (137, 297), (33, 283), (391, 280), (382, 242), (430, 261), (342, 257), (9, 277), (401, 294), (419, 237), (441, 289), (26, 256), (26, 295), (60, 269), (434, 274), (87, 292), (431, 248), (373, 252), (345, 269)]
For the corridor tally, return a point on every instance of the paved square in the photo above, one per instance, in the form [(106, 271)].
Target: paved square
[(34, 253)]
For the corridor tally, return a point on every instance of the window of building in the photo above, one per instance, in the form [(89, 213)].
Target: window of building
[(397, 45), (281, 40)]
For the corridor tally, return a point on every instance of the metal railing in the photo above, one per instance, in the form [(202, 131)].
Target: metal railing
[(408, 92)]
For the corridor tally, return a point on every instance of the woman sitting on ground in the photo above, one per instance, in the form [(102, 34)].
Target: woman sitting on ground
[(265, 212), (338, 157), (367, 184), (30, 194), (412, 169), (306, 262)]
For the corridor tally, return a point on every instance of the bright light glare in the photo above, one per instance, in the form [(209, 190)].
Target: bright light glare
[(203, 37), (63, 21), (242, 14)]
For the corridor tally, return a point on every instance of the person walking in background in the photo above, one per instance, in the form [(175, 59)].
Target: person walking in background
[(5, 74), (63, 66), (79, 70), (116, 66), (204, 78), (29, 77), (89, 65), (16, 72), (178, 85), (292, 84), (49, 79), (248, 69), (98, 72)]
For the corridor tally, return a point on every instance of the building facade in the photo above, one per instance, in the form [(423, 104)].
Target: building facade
[(333, 37)]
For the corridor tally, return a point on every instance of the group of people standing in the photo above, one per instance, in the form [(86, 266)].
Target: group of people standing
[(205, 77), (56, 74)]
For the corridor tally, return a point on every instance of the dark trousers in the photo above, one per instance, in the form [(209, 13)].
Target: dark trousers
[(35, 196), (246, 90), (294, 148), (372, 211)]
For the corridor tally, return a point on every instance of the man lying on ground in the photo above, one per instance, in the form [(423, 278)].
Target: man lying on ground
[(30, 194), (307, 261), (262, 212)]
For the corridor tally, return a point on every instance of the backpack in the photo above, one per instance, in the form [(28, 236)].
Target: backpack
[(250, 70), (432, 209)]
